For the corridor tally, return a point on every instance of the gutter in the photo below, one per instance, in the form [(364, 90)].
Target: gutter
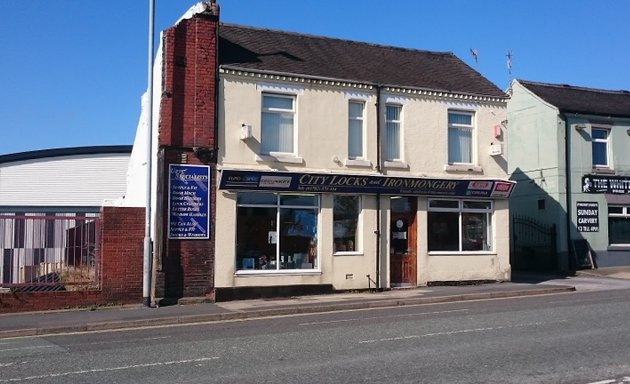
[(460, 95), (379, 170)]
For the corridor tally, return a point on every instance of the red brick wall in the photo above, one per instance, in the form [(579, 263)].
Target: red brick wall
[(187, 120), (187, 108), (42, 301), (122, 253)]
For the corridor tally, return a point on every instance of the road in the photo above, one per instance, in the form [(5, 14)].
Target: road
[(567, 338)]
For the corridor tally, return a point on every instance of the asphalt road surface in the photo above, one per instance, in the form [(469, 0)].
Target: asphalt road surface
[(567, 338)]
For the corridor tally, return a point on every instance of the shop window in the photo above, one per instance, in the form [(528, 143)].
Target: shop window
[(460, 137), (346, 223), (276, 232), (277, 123), (459, 225), (619, 225), (392, 132)]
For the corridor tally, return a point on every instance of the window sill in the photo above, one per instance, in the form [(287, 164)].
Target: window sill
[(358, 163), (467, 168), (603, 171), (396, 164), (276, 272), (279, 158), (462, 253), (619, 248), (348, 253)]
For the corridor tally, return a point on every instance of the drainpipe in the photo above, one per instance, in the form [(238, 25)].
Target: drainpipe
[(378, 195), (567, 178)]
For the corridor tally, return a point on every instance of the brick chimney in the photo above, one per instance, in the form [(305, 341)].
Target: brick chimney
[(187, 135)]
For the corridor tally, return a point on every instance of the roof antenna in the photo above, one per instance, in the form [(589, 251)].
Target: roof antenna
[(475, 55), (509, 56)]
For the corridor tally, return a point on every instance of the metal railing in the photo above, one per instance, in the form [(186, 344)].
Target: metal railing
[(49, 253)]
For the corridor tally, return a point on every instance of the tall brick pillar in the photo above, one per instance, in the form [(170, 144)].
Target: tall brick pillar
[(187, 135)]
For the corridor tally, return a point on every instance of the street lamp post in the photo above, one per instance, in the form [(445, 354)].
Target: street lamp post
[(148, 254)]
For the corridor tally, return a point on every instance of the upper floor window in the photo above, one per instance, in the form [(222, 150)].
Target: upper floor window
[(599, 139), (392, 132), (355, 129), (277, 123), (460, 137)]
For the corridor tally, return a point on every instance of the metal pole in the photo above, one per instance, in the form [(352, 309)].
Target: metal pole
[(148, 254)]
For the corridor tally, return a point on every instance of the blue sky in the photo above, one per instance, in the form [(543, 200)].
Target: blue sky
[(72, 72)]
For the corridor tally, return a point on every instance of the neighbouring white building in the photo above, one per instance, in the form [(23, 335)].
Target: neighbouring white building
[(41, 192)]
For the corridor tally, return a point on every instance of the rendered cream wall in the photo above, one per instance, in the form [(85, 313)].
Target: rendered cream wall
[(334, 268), (321, 122)]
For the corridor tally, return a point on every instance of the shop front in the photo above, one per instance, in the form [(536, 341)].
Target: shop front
[(356, 231), (601, 224)]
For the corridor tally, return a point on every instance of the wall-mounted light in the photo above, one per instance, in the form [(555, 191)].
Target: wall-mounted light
[(579, 127)]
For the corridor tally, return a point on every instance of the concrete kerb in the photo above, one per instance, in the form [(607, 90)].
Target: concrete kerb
[(278, 311)]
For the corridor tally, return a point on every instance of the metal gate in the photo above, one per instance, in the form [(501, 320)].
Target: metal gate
[(534, 245), (49, 252)]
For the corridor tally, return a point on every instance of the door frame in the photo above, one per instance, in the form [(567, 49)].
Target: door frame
[(403, 267)]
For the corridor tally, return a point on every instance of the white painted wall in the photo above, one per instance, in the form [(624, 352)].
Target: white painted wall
[(76, 180)]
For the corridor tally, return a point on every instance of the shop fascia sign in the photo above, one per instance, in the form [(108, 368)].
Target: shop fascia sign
[(618, 185), (239, 180)]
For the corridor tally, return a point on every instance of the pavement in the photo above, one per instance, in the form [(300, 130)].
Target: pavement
[(133, 316)]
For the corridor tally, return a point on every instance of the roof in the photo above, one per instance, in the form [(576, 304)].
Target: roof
[(58, 152), (265, 50), (572, 99)]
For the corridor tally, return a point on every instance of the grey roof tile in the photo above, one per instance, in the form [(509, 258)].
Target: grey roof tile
[(315, 56), (572, 99)]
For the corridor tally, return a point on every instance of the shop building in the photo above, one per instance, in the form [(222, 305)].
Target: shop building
[(331, 164), (569, 155)]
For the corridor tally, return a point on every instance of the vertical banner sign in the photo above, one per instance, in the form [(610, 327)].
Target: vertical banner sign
[(188, 203), (587, 216)]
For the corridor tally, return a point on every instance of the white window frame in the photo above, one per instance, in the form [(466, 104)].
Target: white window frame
[(471, 128), (360, 119), (605, 141), (278, 207), (358, 246), (460, 210), (399, 143), (279, 111), (625, 214)]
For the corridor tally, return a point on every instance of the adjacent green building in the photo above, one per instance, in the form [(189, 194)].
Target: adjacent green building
[(570, 155)]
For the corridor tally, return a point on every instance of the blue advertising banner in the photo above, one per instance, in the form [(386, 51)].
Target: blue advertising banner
[(338, 183), (188, 203)]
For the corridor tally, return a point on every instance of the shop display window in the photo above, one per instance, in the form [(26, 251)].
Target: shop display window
[(459, 225), (276, 232), (345, 223), (619, 225)]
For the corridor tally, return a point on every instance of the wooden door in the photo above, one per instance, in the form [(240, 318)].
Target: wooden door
[(403, 241)]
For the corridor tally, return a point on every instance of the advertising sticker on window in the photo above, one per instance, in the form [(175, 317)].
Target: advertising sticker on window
[(188, 204)]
